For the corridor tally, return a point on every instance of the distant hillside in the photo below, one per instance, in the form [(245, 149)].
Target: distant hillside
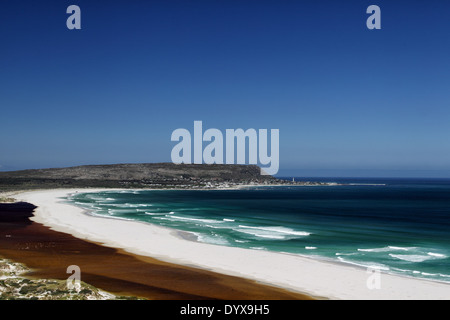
[(163, 175)]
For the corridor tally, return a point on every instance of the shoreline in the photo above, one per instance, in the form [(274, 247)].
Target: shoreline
[(192, 236), (44, 256), (301, 274)]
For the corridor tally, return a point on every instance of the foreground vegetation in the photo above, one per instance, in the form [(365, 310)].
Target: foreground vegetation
[(15, 286)]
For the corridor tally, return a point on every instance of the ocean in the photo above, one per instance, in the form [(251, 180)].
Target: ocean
[(399, 226)]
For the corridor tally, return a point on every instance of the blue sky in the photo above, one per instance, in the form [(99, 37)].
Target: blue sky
[(348, 101)]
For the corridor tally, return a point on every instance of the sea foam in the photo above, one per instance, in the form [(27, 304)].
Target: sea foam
[(411, 257), (274, 233), (387, 249)]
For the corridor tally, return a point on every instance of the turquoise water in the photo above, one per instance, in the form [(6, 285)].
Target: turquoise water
[(399, 226)]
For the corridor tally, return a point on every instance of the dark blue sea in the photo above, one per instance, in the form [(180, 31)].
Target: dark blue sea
[(400, 226)]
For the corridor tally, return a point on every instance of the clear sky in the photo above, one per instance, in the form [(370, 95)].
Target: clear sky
[(348, 101)]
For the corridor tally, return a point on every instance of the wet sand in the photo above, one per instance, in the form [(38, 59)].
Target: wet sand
[(49, 253)]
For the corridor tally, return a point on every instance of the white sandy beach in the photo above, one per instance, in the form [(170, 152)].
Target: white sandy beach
[(314, 277)]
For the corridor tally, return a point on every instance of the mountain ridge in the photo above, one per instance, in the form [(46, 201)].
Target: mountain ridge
[(136, 175)]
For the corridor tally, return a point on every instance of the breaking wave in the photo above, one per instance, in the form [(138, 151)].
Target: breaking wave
[(275, 233)]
